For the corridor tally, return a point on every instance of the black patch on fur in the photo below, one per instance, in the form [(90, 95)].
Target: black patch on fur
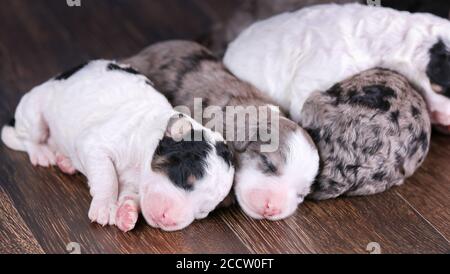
[(447, 92), (438, 69), (12, 122), (374, 97), (393, 116), (192, 63), (269, 167), (379, 176), (415, 112), (67, 74), (130, 70), (183, 160), (373, 148), (353, 169), (422, 139), (314, 133), (335, 91), (224, 151)]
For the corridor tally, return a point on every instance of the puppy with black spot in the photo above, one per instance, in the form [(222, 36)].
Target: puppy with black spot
[(292, 55), (372, 131), (268, 184), (107, 121)]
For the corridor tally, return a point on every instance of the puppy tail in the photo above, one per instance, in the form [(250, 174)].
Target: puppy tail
[(10, 138)]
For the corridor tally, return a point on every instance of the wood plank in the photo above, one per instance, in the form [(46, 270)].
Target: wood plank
[(428, 191), (345, 225), (15, 236)]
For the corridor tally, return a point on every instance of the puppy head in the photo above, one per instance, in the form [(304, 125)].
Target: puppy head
[(438, 68), (438, 71), (192, 174), (270, 185)]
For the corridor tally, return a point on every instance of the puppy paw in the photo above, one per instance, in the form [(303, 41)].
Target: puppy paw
[(127, 215), (102, 211), (41, 155), (65, 164)]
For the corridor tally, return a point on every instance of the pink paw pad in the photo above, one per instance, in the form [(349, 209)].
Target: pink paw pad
[(127, 215), (65, 165)]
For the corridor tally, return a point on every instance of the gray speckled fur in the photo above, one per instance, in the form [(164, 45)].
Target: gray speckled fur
[(372, 132)]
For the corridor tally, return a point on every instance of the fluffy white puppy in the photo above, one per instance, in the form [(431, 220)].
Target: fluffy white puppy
[(108, 122), (291, 55)]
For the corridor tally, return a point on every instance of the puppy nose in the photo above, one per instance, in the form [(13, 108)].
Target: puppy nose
[(165, 220), (271, 210), (267, 202), (162, 210)]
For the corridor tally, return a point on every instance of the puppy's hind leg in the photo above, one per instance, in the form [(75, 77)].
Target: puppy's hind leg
[(29, 132)]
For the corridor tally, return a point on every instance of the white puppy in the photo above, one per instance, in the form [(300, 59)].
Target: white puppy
[(291, 55), (108, 122)]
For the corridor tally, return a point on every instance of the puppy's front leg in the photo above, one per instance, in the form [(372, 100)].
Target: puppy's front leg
[(103, 182), (128, 208)]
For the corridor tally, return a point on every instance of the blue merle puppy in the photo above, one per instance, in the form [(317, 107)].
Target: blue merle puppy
[(372, 132)]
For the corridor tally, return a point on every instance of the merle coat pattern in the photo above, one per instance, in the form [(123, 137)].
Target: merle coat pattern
[(372, 132)]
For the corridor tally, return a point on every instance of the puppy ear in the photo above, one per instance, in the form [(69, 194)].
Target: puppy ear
[(178, 127)]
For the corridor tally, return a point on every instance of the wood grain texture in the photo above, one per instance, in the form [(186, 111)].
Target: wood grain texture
[(344, 225), (428, 191), (15, 236), (42, 210)]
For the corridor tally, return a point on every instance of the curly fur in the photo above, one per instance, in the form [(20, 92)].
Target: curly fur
[(372, 132)]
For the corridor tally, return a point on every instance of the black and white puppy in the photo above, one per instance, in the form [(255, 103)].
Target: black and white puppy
[(108, 122)]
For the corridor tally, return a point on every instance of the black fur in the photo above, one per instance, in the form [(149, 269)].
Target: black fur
[(223, 151), (394, 117), (67, 74), (183, 160), (415, 112), (12, 122), (130, 70), (269, 167), (374, 97), (191, 63), (438, 69)]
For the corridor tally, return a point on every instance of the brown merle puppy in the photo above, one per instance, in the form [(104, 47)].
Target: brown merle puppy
[(268, 184), (372, 132)]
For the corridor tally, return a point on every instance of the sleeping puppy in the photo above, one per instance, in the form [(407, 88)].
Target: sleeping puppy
[(372, 131), (291, 55), (268, 184), (108, 122)]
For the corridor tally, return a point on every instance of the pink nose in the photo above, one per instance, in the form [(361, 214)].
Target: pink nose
[(162, 210), (267, 202)]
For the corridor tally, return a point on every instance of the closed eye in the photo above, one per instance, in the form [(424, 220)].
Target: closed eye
[(268, 166)]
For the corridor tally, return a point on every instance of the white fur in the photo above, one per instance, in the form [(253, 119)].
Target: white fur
[(293, 184), (291, 55), (109, 123)]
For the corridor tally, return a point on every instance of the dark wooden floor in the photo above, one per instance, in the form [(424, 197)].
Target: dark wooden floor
[(42, 210)]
